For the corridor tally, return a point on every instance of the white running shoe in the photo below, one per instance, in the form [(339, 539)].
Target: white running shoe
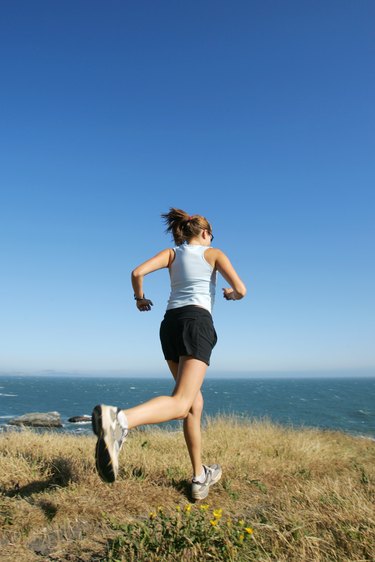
[(111, 436), (199, 490)]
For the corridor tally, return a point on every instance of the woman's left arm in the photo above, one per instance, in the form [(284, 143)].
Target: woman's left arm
[(161, 260), (221, 262)]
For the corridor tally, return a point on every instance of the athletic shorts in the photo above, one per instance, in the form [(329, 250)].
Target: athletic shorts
[(188, 330)]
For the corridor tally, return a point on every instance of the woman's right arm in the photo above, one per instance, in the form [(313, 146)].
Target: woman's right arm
[(161, 260), (237, 289)]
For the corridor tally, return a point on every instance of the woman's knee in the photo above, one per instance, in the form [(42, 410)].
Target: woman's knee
[(182, 408), (197, 407), (185, 404)]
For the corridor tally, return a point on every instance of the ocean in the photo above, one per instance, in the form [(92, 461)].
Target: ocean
[(346, 404)]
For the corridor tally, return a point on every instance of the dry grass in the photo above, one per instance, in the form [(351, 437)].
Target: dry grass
[(308, 495)]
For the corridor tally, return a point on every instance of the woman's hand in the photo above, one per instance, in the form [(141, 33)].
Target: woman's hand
[(144, 305), (229, 294)]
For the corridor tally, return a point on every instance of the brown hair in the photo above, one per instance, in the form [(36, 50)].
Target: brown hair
[(183, 226)]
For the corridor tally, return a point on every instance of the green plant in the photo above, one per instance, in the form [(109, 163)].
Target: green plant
[(189, 533)]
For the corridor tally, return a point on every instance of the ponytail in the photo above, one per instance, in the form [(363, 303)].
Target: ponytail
[(184, 227)]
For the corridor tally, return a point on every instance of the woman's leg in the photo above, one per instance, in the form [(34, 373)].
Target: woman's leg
[(111, 429), (190, 377), (192, 426)]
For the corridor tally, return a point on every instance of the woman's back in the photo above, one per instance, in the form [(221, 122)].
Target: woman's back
[(193, 279)]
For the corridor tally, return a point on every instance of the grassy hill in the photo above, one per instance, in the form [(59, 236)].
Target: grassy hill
[(285, 495)]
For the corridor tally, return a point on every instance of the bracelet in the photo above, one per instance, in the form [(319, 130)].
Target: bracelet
[(139, 298)]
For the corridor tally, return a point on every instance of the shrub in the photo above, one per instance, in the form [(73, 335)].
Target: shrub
[(190, 533)]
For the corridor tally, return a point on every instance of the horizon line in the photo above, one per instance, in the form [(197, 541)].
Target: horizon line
[(337, 371)]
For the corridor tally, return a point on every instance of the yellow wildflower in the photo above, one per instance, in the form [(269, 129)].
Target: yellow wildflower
[(249, 530), (204, 507), (241, 522), (218, 513), (241, 537), (178, 508), (152, 514), (188, 508), (214, 522)]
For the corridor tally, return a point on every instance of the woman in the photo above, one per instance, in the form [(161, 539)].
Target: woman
[(187, 337)]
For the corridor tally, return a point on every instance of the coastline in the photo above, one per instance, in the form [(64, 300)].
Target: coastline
[(337, 404)]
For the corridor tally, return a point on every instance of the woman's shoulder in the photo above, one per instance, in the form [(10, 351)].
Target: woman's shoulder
[(166, 256), (214, 252), (212, 255)]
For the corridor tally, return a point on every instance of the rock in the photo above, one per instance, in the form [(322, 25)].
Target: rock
[(78, 419), (38, 419)]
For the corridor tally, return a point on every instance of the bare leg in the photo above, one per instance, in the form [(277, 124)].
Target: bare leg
[(165, 408), (192, 426)]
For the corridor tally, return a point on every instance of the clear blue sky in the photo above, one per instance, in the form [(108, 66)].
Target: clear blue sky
[(257, 114)]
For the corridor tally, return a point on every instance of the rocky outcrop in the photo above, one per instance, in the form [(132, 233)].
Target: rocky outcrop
[(38, 419), (79, 419)]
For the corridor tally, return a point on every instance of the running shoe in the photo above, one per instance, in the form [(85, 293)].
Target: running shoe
[(111, 436), (199, 490)]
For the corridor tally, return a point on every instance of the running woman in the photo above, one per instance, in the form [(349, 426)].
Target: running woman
[(187, 337)]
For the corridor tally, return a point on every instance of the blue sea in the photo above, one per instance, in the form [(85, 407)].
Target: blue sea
[(346, 404)]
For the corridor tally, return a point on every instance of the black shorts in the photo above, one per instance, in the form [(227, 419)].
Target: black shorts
[(188, 330)]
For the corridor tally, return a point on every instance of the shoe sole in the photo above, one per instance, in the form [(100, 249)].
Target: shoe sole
[(202, 495), (103, 460)]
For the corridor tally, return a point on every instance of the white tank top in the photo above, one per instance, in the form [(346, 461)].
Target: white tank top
[(193, 279)]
